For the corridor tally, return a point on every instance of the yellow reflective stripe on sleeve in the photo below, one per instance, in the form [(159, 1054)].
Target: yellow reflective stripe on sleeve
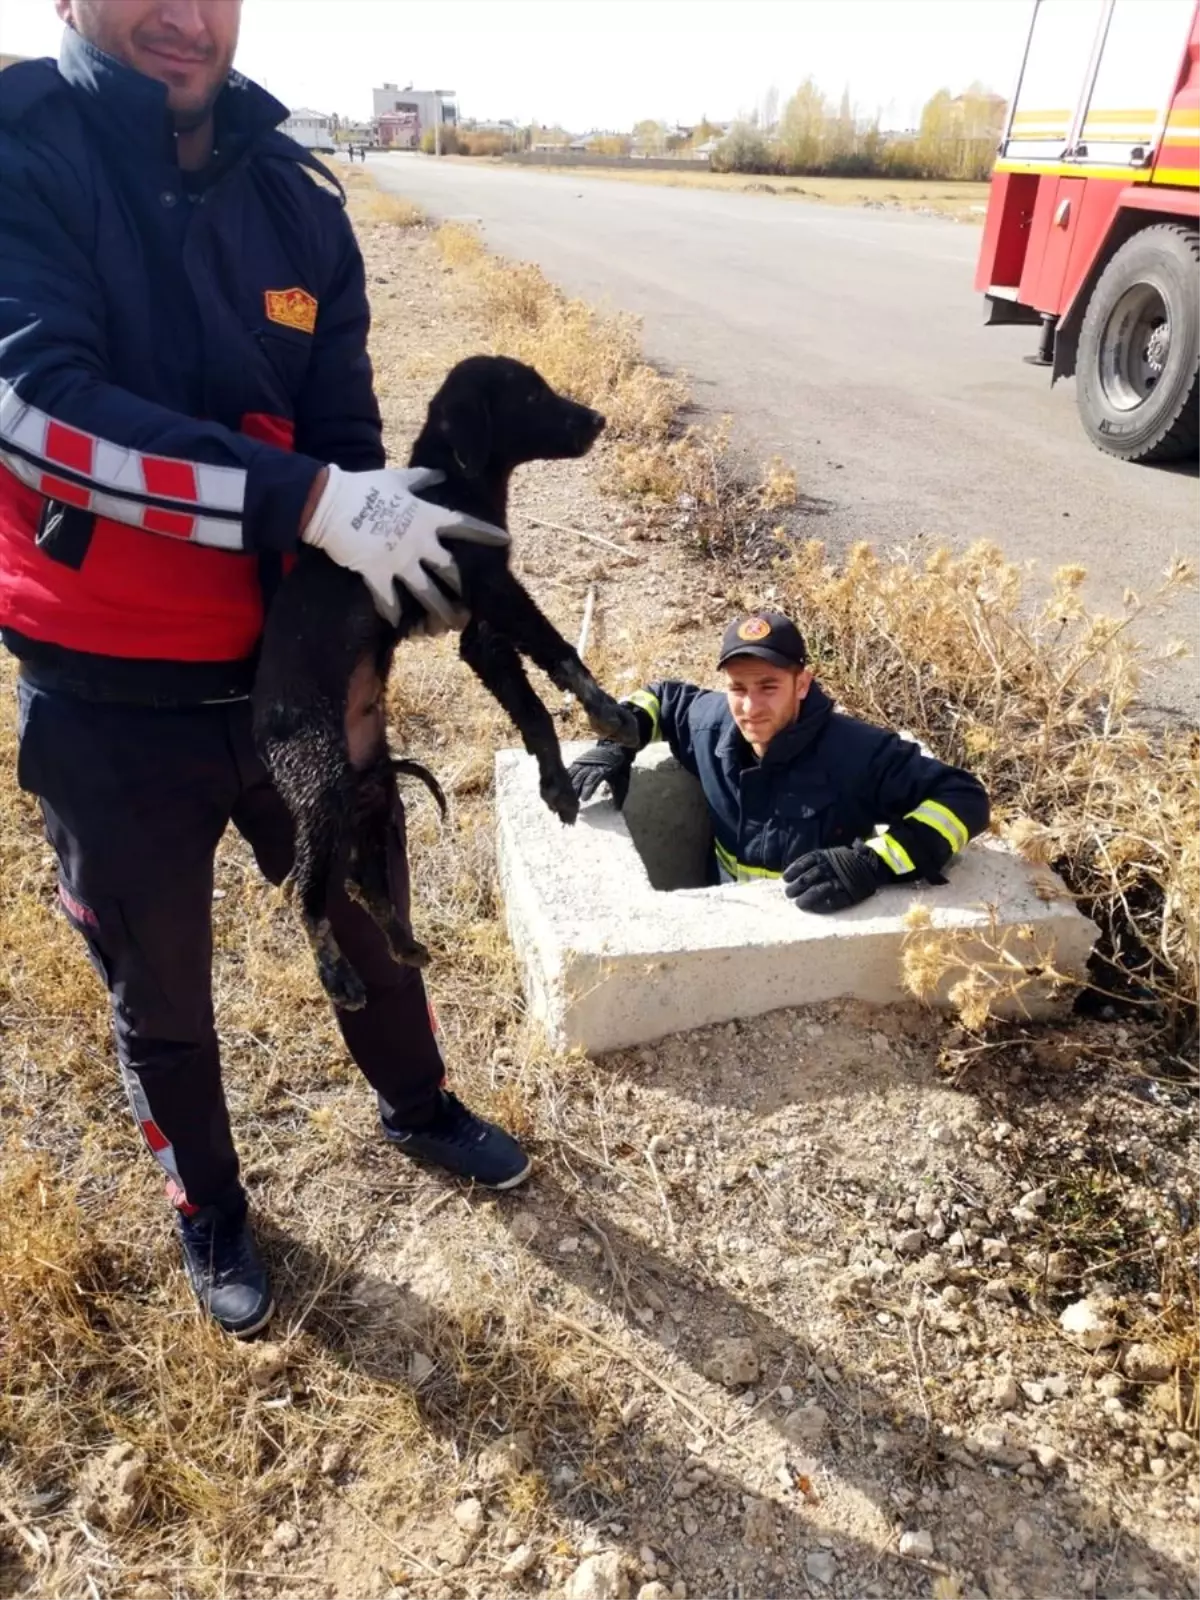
[(647, 702), (892, 851), (940, 818), (738, 869), (726, 860)]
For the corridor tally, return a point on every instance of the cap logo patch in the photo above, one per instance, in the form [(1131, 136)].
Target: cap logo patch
[(754, 628), (293, 308)]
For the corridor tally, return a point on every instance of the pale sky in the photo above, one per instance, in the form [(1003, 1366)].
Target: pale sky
[(607, 63)]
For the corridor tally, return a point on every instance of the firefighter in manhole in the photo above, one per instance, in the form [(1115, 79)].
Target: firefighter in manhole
[(796, 790)]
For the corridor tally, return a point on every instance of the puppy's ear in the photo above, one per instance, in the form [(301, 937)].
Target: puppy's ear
[(466, 425)]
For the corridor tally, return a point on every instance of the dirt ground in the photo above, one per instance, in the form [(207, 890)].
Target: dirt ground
[(777, 1314)]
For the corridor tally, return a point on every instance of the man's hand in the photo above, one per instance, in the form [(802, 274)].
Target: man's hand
[(603, 763), (373, 523), (833, 879)]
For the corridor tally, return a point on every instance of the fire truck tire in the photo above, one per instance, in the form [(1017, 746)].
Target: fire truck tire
[(1138, 362)]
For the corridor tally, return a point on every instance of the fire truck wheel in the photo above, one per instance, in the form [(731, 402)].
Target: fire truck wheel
[(1139, 348)]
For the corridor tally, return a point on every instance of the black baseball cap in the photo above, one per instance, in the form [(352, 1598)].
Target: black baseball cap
[(767, 634)]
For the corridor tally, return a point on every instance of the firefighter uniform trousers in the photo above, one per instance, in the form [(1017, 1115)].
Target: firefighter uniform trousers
[(135, 801)]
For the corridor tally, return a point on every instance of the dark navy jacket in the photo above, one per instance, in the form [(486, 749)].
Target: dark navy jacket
[(179, 355), (829, 779)]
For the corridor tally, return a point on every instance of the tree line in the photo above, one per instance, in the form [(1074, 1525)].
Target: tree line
[(956, 138), (811, 134)]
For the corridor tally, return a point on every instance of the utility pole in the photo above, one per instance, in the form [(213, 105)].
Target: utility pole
[(439, 94)]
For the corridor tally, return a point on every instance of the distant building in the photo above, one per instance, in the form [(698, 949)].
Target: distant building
[(313, 129), (425, 107), (398, 130)]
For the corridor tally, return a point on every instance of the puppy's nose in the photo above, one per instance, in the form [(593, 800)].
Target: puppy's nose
[(597, 420)]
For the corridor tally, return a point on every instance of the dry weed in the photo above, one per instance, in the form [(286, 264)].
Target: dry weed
[(393, 211), (987, 972), (460, 245), (710, 494), (1040, 698)]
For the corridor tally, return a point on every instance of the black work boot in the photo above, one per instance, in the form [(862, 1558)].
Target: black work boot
[(462, 1143), (225, 1269)]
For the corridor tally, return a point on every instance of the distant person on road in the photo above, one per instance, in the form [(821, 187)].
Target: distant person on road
[(834, 807), (185, 396)]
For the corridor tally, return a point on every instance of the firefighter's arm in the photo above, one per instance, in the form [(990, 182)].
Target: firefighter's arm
[(337, 415), (662, 712), (657, 709), (930, 810), (72, 434)]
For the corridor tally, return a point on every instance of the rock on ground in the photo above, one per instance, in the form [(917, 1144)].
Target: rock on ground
[(1084, 1321), (110, 1490), (519, 1562), (507, 1457), (600, 1577), (820, 1566), (470, 1518), (733, 1363), (758, 1528)]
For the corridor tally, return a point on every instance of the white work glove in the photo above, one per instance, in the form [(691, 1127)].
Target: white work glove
[(373, 523)]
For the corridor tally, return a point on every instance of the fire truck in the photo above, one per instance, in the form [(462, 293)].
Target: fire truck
[(1093, 221)]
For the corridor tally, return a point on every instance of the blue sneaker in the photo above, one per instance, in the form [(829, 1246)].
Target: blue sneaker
[(462, 1143), (226, 1271)]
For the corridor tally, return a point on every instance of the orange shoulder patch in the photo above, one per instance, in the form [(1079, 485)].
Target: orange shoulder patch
[(293, 308)]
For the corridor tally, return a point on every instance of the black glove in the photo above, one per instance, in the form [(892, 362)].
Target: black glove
[(603, 763), (833, 879)]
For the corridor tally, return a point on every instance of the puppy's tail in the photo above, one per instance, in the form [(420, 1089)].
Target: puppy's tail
[(414, 769)]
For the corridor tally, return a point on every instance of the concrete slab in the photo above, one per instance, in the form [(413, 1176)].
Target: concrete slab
[(619, 945)]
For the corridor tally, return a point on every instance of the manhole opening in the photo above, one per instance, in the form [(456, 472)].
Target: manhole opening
[(668, 822)]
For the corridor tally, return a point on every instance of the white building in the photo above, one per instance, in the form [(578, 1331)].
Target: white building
[(312, 129)]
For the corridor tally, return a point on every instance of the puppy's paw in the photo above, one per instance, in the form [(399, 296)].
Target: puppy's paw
[(342, 984), (558, 794), (338, 978), (406, 950), (611, 720)]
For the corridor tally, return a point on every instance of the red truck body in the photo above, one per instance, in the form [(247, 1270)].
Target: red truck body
[(1102, 141)]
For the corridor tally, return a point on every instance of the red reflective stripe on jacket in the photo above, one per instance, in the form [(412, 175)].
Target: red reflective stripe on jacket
[(279, 431), (139, 595)]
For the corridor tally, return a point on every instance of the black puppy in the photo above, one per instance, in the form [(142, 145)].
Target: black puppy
[(326, 654)]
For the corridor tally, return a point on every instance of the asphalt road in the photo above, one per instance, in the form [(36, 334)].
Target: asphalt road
[(850, 341)]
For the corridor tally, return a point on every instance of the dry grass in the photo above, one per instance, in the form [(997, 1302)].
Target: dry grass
[(963, 202), (393, 211), (369, 205), (1040, 698)]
